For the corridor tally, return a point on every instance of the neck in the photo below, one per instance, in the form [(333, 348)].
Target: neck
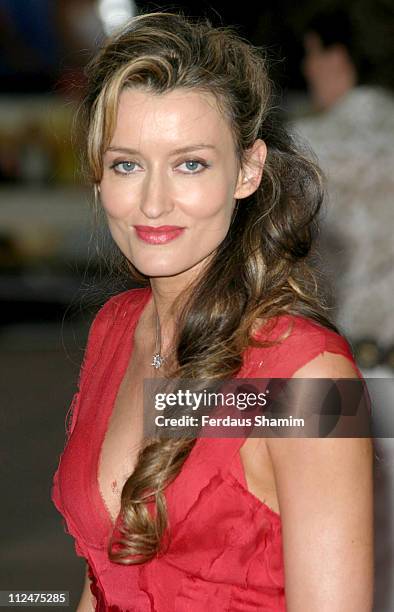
[(164, 304)]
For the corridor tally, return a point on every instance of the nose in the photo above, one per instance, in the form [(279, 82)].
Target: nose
[(156, 200)]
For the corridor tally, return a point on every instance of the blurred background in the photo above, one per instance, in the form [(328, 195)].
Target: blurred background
[(333, 64)]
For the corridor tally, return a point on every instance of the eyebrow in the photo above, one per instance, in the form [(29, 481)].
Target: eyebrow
[(174, 152)]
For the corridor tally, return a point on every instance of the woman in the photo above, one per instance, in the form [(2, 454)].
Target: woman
[(212, 208)]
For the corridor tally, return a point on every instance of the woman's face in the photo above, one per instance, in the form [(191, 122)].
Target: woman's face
[(167, 209)]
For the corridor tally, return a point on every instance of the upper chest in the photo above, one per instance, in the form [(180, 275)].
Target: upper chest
[(123, 436)]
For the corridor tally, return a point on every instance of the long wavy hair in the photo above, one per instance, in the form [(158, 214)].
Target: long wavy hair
[(260, 270)]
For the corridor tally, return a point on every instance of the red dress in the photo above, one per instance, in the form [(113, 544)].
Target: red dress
[(225, 552)]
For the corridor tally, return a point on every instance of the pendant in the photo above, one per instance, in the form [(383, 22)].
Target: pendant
[(158, 360)]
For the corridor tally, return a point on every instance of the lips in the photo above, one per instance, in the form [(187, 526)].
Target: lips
[(158, 235)]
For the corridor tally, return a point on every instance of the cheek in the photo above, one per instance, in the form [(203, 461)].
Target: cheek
[(116, 198), (207, 203)]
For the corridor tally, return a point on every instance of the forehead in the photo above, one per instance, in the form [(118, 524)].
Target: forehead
[(170, 119)]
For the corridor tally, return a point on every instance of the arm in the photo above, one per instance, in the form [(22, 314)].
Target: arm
[(325, 497), (87, 602)]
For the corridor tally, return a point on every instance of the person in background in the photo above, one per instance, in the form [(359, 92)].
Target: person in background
[(351, 132)]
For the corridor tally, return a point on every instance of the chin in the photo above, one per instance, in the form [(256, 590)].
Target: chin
[(162, 269)]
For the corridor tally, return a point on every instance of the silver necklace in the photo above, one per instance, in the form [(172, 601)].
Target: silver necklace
[(158, 359)]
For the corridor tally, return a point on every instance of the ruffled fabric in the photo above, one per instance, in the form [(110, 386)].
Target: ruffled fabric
[(101, 603)]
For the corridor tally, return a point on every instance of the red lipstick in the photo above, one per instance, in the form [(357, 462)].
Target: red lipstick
[(158, 235)]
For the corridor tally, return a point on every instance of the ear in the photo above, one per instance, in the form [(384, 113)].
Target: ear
[(249, 177)]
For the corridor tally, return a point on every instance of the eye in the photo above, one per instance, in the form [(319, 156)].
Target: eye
[(123, 167), (195, 162)]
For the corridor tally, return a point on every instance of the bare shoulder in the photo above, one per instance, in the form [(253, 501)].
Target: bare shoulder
[(297, 451), (328, 365)]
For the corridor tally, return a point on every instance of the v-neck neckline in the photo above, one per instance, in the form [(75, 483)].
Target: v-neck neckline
[(122, 353), (126, 346)]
